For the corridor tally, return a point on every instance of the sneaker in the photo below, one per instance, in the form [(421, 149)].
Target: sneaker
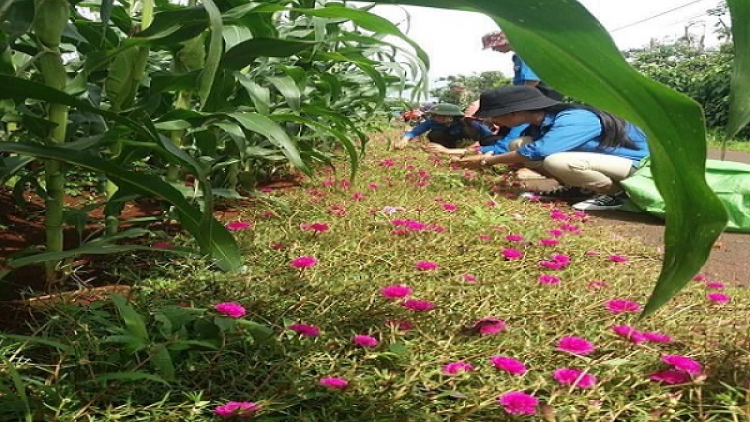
[(601, 203), (561, 192)]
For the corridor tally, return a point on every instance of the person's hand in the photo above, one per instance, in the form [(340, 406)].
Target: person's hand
[(401, 143), (472, 162), (434, 148)]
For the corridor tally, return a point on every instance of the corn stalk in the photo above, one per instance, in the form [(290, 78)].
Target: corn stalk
[(50, 18)]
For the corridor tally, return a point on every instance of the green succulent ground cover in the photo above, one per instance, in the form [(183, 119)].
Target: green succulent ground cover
[(171, 356)]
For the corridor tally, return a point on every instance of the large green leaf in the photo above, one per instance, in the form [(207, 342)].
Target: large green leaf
[(263, 125), (215, 50), (739, 100), (289, 89), (246, 52), (221, 245), (570, 49)]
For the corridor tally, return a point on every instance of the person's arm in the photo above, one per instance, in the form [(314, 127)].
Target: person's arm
[(488, 160), (434, 148), (416, 131)]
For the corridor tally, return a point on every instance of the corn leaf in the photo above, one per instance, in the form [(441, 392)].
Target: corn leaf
[(739, 100)]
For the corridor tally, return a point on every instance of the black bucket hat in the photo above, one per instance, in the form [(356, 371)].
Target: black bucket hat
[(507, 99)]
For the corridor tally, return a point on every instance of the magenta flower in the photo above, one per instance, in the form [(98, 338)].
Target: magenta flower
[(720, 298), (655, 337), (449, 207), (489, 326), (333, 383), (512, 254), (455, 368), (162, 245), (365, 341), (514, 238), (670, 376), (518, 403), (683, 363), (508, 364), (316, 227), (552, 265), (618, 306), (238, 225), (591, 253), (597, 284), (373, 186), (549, 242), (426, 265), (237, 409), (304, 262), (575, 345), (304, 330), (629, 333), (548, 279), (561, 258), (418, 305), (699, 277), (618, 258), (400, 324), (230, 309), (574, 377), (415, 226), (358, 196), (396, 291), (714, 285), (468, 278), (556, 232)]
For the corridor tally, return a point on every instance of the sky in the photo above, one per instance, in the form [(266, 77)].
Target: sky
[(452, 39)]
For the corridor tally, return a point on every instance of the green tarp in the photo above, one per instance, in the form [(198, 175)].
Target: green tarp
[(730, 181)]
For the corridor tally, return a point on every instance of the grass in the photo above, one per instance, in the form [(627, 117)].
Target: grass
[(95, 364), (714, 140)]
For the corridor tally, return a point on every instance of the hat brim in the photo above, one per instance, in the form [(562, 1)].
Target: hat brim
[(531, 104)]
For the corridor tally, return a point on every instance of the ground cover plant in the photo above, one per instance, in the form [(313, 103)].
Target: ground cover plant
[(414, 293)]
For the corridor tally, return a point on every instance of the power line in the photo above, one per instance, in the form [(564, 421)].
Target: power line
[(656, 16)]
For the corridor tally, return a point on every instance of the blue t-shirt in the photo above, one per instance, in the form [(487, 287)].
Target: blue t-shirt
[(501, 146), (522, 72), (581, 130), (454, 129)]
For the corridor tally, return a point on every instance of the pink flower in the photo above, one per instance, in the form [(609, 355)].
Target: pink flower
[(333, 383), (373, 186), (455, 368), (618, 258), (629, 333), (549, 242), (655, 337), (670, 376), (485, 237), (552, 265), (556, 232), (574, 377), (518, 403), (162, 245), (415, 225), (489, 326), (715, 285), (365, 341), (699, 277), (230, 309), (618, 306), (396, 291), (418, 305), (548, 279), (720, 298), (358, 196), (561, 258), (316, 227), (575, 345), (449, 207), (426, 265), (514, 238), (399, 324), (468, 278), (591, 253), (238, 409), (508, 364), (597, 284), (238, 225), (277, 245), (304, 330), (304, 262), (512, 254), (683, 363)]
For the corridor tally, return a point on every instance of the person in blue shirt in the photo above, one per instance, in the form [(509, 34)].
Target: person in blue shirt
[(522, 73), (446, 128), (584, 148)]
